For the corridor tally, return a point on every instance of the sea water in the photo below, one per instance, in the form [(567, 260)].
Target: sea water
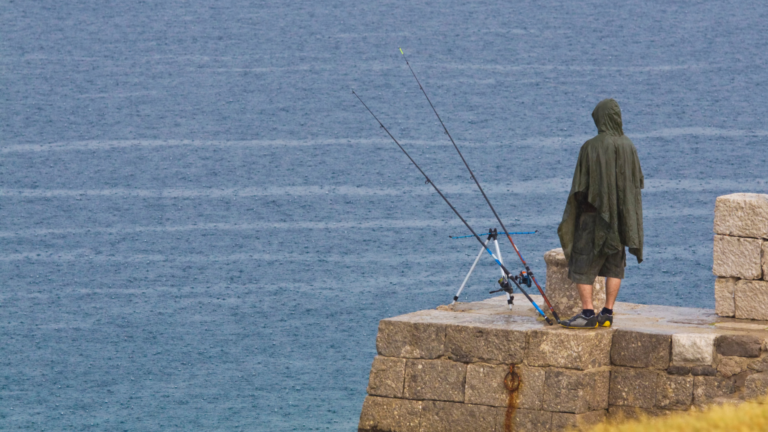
[(201, 226)]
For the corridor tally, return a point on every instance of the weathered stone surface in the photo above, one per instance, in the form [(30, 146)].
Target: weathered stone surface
[(730, 366), (575, 391), (562, 292), (530, 421), (742, 215), (634, 387), (530, 395), (581, 422), (737, 257), (725, 304), (759, 365), (708, 390), (738, 345), (410, 339), (740, 380), (756, 387), (571, 349), (460, 417), (485, 385), (693, 349), (679, 370), (643, 350), (751, 299), (675, 392), (386, 378), (435, 380), (478, 344), (622, 413), (388, 414)]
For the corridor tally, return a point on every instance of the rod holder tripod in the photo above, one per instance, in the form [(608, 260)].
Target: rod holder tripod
[(493, 235)]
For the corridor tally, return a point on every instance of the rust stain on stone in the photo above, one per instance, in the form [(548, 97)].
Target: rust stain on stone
[(512, 383)]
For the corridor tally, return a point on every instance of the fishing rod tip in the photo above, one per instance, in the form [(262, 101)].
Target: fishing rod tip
[(401, 51)]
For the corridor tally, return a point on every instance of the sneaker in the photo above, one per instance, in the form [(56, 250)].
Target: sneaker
[(604, 320), (580, 322)]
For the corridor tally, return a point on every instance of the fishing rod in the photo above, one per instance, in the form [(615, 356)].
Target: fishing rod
[(445, 129), (505, 284), (519, 232)]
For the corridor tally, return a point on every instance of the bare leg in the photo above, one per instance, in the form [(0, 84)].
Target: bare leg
[(585, 292), (612, 286)]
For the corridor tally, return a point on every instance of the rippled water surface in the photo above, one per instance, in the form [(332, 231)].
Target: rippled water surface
[(201, 227)]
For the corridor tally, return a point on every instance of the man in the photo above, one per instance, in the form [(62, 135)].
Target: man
[(604, 213)]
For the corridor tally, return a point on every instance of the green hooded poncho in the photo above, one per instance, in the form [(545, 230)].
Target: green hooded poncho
[(608, 175)]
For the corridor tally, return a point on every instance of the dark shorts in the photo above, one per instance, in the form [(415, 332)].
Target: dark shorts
[(584, 265)]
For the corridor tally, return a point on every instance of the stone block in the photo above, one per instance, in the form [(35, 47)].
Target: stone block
[(693, 349), (742, 215), (756, 387), (530, 421), (386, 378), (576, 391), (737, 257), (634, 387), (725, 304), (730, 366), (468, 344), (441, 380), (460, 417), (485, 385), (577, 422), (674, 392), (408, 339), (751, 299), (738, 345), (708, 390), (530, 395), (562, 293), (388, 414), (642, 350), (571, 349)]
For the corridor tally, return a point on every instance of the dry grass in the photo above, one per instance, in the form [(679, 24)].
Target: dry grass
[(747, 417)]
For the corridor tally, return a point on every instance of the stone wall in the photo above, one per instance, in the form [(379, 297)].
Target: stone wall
[(444, 370), (741, 256)]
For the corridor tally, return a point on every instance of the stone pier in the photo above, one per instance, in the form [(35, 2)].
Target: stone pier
[(444, 369), (482, 367)]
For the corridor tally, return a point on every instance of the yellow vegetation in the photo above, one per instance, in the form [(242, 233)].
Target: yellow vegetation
[(747, 417)]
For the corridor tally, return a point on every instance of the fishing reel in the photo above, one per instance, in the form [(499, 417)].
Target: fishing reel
[(506, 286), (523, 279)]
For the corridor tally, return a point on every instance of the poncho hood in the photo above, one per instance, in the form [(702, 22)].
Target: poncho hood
[(608, 174), (607, 117)]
